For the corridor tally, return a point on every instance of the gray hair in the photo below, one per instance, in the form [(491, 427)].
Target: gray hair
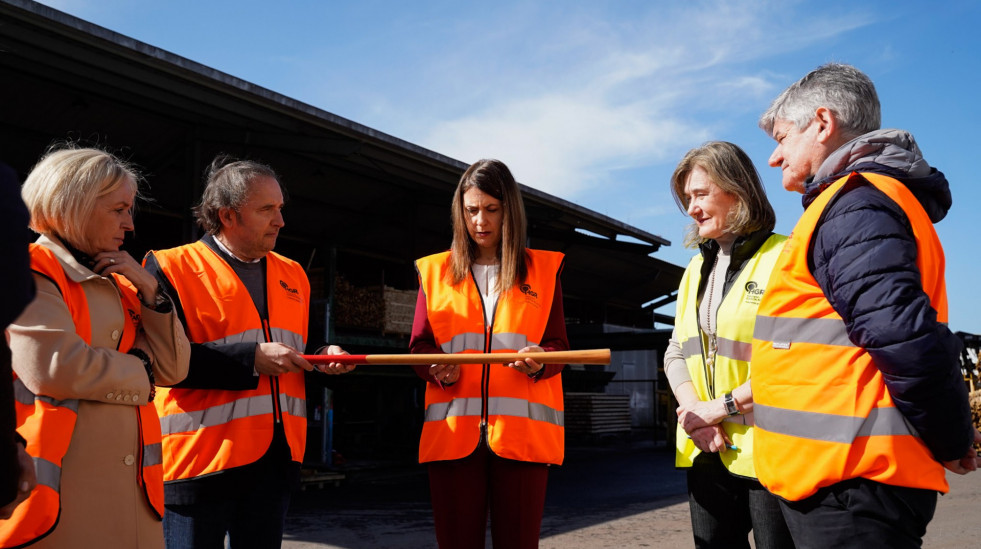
[(842, 89), (227, 185)]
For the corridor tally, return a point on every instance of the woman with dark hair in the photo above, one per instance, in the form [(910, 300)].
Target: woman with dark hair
[(490, 430), (707, 361)]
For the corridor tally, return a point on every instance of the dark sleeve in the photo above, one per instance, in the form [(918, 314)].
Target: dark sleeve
[(227, 366), (15, 276), (9, 466), (555, 338), (864, 259), (422, 340), (18, 288)]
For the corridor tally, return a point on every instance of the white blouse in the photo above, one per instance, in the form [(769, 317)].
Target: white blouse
[(486, 277)]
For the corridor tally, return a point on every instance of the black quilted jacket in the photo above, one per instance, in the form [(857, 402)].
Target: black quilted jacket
[(863, 257)]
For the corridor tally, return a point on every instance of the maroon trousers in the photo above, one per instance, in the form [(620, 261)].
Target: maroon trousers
[(463, 491)]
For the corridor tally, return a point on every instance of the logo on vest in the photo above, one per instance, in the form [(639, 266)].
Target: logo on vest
[(754, 293), (291, 293), (531, 297), (134, 317)]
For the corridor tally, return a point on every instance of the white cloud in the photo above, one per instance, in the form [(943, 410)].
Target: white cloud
[(560, 143), (614, 97)]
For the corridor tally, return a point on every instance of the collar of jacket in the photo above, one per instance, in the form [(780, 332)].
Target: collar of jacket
[(893, 153), (744, 247), (210, 241), (77, 265)]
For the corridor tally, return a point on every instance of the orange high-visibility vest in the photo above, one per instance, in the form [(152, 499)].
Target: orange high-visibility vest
[(524, 420), (47, 424), (823, 412), (210, 430)]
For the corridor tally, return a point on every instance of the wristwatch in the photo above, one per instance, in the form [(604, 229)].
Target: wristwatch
[(730, 404)]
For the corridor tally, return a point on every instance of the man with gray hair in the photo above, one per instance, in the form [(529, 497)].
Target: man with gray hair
[(859, 399), (234, 430)]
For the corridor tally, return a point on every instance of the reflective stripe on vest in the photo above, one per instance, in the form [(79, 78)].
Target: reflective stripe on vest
[(48, 472), (210, 430), (524, 420), (832, 427), (734, 343), (282, 335), (48, 424), (725, 348), (475, 342), (224, 413), (502, 406), (823, 412)]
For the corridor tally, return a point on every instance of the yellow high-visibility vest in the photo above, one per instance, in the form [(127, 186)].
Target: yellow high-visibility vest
[(734, 335)]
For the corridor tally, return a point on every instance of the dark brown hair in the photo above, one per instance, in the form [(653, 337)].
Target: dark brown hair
[(495, 179)]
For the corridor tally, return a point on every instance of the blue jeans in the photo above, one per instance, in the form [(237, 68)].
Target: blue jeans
[(252, 520), (725, 508), (860, 513)]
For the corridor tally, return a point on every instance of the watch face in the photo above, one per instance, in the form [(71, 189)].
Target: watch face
[(730, 404)]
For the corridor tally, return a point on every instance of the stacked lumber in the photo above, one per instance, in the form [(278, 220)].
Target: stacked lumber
[(357, 307), (399, 307), (376, 308), (594, 414)]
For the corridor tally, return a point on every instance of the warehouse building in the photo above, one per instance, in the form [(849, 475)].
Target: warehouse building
[(362, 206)]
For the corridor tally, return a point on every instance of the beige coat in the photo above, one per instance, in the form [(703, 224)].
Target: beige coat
[(102, 505)]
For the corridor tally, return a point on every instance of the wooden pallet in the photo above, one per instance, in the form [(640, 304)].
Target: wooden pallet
[(596, 413), (320, 479)]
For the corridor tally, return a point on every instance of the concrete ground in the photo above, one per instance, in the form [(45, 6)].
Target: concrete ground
[(623, 494)]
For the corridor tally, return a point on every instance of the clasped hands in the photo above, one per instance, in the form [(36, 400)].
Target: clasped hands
[(702, 421)]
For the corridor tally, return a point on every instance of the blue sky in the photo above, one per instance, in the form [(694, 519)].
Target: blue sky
[(596, 102)]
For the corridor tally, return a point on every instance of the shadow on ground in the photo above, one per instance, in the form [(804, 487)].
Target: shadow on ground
[(388, 507)]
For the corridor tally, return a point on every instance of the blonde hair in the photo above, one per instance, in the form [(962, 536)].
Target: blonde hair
[(62, 189), (733, 172), (494, 178)]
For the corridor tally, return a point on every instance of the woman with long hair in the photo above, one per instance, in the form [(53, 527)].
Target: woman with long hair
[(490, 430), (707, 362)]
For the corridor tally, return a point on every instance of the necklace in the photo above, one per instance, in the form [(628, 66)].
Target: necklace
[(712, 344)]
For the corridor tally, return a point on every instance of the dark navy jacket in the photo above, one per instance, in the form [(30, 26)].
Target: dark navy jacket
[(863, 255)]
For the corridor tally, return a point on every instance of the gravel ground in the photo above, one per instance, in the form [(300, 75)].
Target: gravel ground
[(625, 495)]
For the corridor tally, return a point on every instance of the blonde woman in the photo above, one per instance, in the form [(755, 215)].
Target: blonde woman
[(707, 361), (87, 353)]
